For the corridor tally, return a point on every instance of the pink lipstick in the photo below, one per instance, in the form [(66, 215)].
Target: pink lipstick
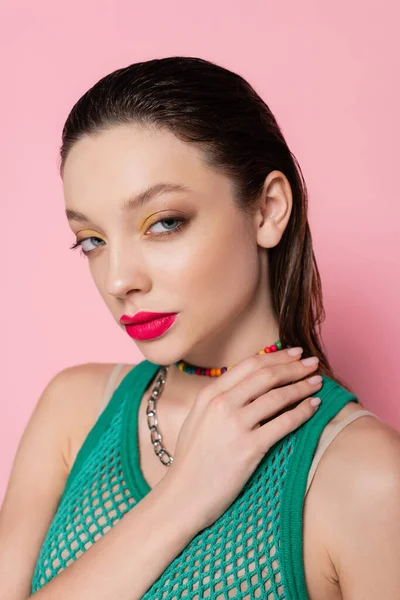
[(147, 325)]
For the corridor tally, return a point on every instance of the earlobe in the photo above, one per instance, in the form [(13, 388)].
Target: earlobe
[(275, 207)]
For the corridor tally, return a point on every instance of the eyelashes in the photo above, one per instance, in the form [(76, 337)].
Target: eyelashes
[(181, 224)]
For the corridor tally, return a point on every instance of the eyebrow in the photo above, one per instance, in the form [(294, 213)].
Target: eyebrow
[(137, 201)]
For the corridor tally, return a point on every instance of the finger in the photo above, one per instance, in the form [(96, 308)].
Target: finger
[(247, 366), (267, 406), (266, 379), (267, 435)]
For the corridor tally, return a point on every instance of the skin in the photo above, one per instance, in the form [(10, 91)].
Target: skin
[(219, 251), (216, 278)]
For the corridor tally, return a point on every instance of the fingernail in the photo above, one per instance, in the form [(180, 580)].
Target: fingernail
[(308, 362), (315, 401), (295, 351), (315, 379)]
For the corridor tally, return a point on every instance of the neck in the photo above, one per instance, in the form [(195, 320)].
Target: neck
[(243, 337), (230, 349)]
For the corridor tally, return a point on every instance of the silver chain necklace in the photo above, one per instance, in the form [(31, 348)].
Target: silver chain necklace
[(152, 421)]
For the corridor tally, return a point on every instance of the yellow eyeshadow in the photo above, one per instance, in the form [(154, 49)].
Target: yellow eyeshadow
[(89, 233), (143, 226), (159, 214), (147, 219)]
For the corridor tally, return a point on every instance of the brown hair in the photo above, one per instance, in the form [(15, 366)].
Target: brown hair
[(205, 104)]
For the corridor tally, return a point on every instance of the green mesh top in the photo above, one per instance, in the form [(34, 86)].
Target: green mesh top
[(253, 550)]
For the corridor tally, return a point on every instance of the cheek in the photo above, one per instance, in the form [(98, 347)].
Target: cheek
[(221, 269)]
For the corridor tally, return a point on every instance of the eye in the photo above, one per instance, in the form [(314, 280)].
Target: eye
[(84, 241), (168, 220), (169, 231)]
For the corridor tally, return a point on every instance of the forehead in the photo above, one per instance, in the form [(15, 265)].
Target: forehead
[(126, 158)]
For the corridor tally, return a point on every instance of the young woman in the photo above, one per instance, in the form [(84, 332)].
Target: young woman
[(207, 470)]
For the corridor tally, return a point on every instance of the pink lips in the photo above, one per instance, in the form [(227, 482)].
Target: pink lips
[(142, 317), (147, 325)]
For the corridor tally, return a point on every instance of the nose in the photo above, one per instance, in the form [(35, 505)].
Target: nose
[(125, 273)]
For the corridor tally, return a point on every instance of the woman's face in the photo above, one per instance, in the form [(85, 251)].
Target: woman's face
[(203, 262)]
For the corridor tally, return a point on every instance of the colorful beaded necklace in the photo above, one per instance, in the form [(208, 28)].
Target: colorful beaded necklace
[(187, 368), (152, 421)]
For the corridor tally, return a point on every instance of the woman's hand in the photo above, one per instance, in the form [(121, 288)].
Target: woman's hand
[(234, 421)]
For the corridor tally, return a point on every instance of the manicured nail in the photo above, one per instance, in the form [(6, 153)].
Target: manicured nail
[(315, 401), (295, 351), (315, 379), (309, 362)]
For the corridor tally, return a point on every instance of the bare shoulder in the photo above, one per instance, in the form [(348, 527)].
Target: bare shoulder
[(363, 456), (62, 417), (356, 486), (365, 452), (82, 387)]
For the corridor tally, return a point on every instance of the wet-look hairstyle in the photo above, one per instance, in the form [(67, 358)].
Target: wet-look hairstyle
[(219, 112)]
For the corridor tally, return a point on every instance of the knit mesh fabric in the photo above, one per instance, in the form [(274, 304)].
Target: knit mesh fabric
[(96, 501), (238, 556)]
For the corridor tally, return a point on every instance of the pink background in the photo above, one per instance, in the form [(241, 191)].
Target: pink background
[(329, 72)]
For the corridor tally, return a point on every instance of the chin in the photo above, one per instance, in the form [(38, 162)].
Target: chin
[(160, 354)]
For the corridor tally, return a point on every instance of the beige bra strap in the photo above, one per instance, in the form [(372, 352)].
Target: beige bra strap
[(109, 389), (325, 442)]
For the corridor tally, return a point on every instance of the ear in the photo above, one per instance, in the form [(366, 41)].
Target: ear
[(274, 209)]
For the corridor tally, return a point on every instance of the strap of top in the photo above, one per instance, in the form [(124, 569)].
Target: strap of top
[(109, 389), (326, 441)]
